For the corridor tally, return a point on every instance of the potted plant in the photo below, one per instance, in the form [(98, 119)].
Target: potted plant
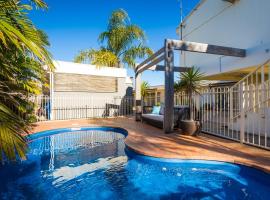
[(190, 83)]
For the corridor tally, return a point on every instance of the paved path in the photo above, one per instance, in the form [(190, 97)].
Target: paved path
[(151, 141)]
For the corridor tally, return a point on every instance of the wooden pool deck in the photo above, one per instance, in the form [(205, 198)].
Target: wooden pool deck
[(151, 141)]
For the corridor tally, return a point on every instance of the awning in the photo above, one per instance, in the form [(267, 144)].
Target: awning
[(235, 75)]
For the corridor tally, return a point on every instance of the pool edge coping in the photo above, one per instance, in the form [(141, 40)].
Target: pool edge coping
[(143, 153)]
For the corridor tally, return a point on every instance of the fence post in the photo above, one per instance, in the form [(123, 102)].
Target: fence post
[(263, 85), (231, 104), (242, 114), (51, 100)]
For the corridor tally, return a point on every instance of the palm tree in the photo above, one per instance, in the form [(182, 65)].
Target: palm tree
[(124, 40), (17, 29), (144, 88), (22, 55), (189, 83)]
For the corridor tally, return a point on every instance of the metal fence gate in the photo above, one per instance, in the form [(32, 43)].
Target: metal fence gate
[(214, 113), (232, 113)]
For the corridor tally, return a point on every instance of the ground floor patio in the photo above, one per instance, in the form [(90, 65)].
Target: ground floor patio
[(152, 141)]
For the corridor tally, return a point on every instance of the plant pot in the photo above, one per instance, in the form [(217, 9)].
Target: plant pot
[(190, 127)]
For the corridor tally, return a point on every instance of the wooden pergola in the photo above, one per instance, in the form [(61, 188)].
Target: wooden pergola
[(166, 54)]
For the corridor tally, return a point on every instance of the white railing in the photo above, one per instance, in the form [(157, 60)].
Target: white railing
[(215, 106), (253, 114), (251, 90), (241, 112), (67, 107), (214, 114), (181, 98)]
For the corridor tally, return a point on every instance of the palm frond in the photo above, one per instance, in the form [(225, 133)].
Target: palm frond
[(189, 83), (23, 52), (136, 52), (189, 80), (40, 3), (99, 58), (16, 28), (123, 39), (118, 18), (12, 142), (144, 87)]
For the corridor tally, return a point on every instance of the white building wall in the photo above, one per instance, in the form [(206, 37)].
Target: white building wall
[(68, 104), (123, 81), (77, 99), (79, 68), (244, 24)]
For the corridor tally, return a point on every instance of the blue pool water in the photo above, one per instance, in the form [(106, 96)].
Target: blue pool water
[(92, 163)]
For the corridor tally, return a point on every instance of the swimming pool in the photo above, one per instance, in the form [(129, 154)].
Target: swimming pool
[(93, 163)]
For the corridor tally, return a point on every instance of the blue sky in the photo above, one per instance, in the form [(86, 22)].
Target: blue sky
[(75, 25)]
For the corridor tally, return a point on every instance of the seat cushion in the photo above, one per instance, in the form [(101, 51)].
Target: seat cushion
[(161, 112), (156, 110), (153, 117)]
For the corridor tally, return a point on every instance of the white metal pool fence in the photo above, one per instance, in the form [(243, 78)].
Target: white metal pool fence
[(77, 107), (240, 113)]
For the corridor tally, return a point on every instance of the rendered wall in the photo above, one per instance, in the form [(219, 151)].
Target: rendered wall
[(244, 24)]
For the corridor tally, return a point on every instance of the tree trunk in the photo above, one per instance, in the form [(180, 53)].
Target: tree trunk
[(120, 64)]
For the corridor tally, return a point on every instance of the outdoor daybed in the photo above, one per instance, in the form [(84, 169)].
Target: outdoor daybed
[(156, 118)]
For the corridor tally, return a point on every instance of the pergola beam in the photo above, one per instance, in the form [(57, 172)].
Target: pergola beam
[(160, 51), (151, 64), (162, 68), (166, 54), (207, 48)]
